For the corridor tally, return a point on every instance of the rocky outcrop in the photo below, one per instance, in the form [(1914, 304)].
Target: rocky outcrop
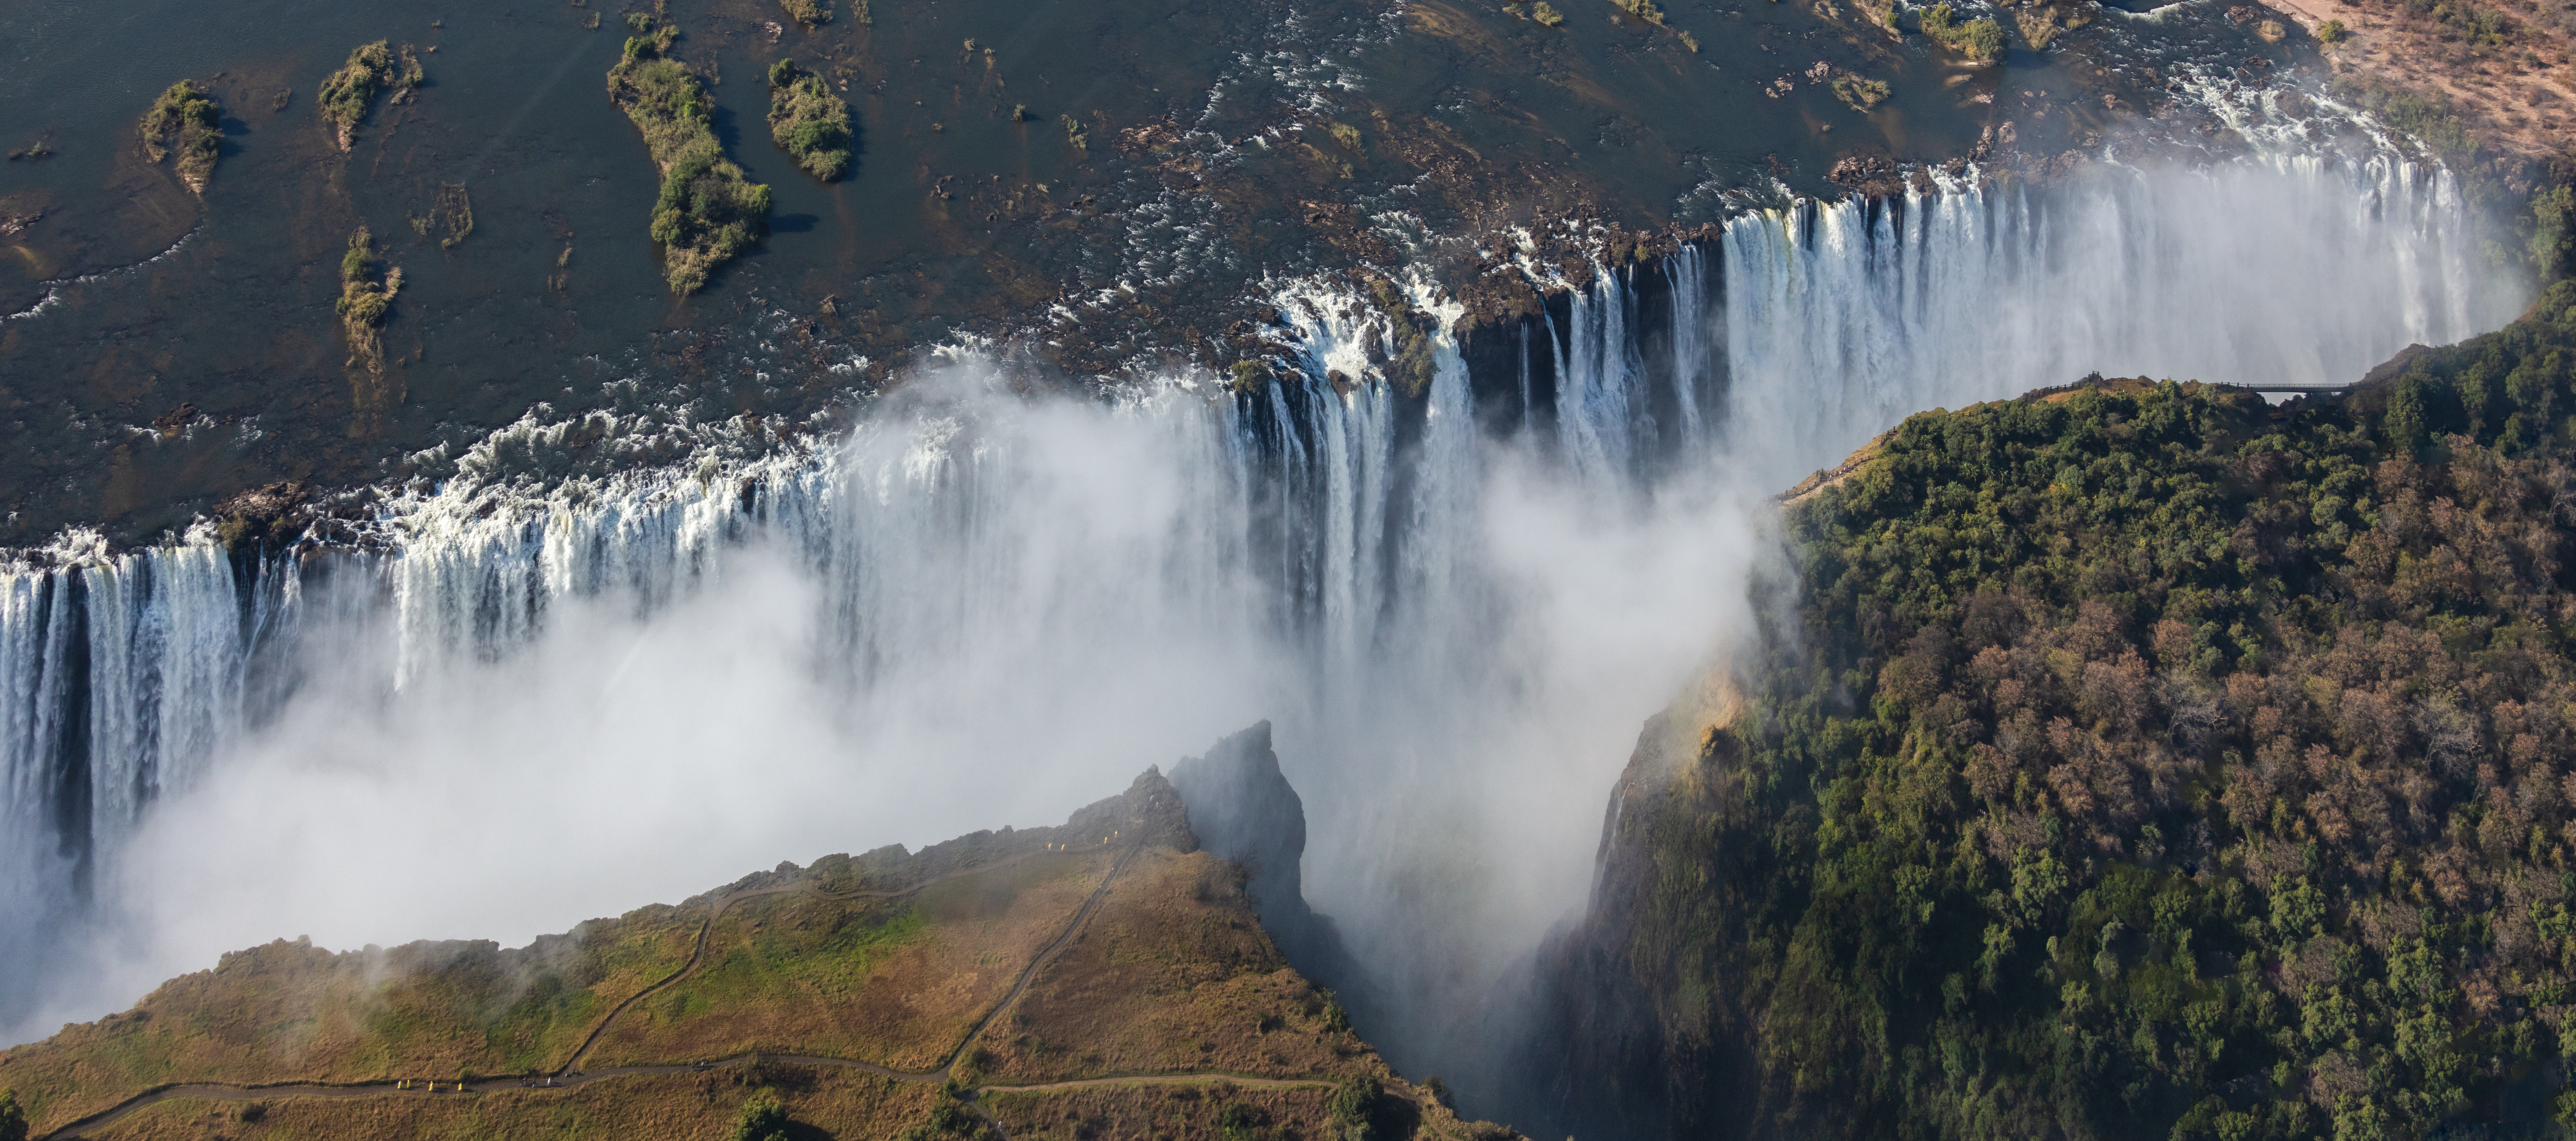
[(1242, 808)]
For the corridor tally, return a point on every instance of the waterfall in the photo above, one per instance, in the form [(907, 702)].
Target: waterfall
[(977, 607), (1597, 421), (1686, 275), (1843, 318)]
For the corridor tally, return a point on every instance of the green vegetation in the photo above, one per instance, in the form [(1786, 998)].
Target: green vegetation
[(13, 1120), (2041, 24), (2553, 216), (349, 93), (2143, 761), (1980, 39), (1345, 134), (366, 300), (450, 217), (1241, 1121), (1641, 9), (2456, 20), (1860, 94), (1355, 1108), (810, 13), (183, 120), (810, 122), (2428, 119), (2332, 32), (1690, 41), (708, 211), (761, 1119), (1413, 357), (1547, 17), (364, 295), (1075, 133)]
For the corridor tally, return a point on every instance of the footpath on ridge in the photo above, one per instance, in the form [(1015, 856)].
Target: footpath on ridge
[(569, 1075)]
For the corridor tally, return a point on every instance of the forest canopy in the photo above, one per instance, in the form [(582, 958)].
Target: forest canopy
[(2141, 760)]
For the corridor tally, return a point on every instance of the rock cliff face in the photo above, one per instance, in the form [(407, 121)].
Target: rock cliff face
[(1242, 808)]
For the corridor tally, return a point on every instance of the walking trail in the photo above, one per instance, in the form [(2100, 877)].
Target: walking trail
[(569, 1075)]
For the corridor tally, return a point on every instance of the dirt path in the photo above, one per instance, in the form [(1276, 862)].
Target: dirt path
[(707, 927), (568, 1077)]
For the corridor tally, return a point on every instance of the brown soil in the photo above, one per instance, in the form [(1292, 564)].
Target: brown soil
[(2519, 99), (1183, 1114), (1173, 975), (840, 1103)]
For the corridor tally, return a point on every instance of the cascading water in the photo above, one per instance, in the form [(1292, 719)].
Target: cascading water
[(982, 608), (1844, 318)]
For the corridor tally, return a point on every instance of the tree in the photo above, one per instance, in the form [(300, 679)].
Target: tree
[(1353, 1109), (762, 1119), (13, 1120)]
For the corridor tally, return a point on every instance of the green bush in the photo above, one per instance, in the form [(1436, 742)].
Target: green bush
[(810, 122), (761, 1119), (1546, 16), (1354, 1109), (13, 1120), (366, 297), (2332, 32), (349, 93), (2428, 119), (708, 211), (186, 120), (1980, 39), (1858, 93), (1239, 1121)]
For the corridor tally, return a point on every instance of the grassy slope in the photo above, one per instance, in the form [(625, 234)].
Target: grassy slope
[(839, 1103), (293, 1012), (1172, 974), (2143, 763), (894, 982)]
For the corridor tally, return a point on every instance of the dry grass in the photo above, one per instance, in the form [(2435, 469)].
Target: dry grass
[(894, 982), (1177, 1113), (291, 1012), (1172, 975), (839, 1103)]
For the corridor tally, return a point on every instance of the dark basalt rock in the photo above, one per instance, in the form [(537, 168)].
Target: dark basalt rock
[(262, 518), (1242, 808)]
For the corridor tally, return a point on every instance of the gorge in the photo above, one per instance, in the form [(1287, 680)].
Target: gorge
[(1399, 579), (1434, 387)]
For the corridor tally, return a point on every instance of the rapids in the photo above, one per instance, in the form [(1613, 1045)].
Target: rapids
[(530, 700)]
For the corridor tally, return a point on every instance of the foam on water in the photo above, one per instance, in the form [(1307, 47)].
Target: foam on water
[(980, 608)]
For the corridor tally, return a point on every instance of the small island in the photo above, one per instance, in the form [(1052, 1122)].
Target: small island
[(709, 211), (351, 92), (808, 121), (366, 299), (183, 122)]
